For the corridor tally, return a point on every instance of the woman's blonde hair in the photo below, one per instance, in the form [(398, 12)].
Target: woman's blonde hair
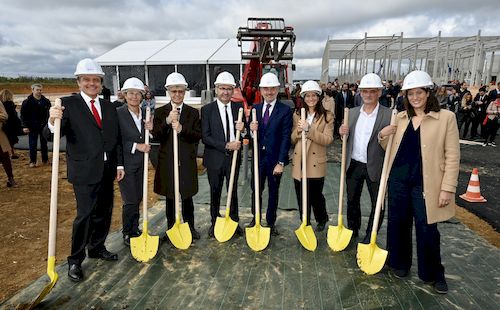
[(6, 95)]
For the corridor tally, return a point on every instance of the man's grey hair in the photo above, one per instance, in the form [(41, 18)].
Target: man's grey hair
[(36, 85)]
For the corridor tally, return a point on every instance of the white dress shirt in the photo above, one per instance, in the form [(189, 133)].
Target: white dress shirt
[(222, 113), (362, 134), (271, 108), (137, 121)]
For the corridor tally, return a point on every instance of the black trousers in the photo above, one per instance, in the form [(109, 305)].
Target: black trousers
[(94, 206), (6, 163), (406, 203), (491, 129), (315, 199), (33, 137), (131, 192), (187, 212), (273, 182), (216, 180), (356, 175)]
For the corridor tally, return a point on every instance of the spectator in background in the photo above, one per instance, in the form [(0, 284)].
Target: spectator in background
[(463, 89), (12, 127), (344, 99), (149, 100), (493, 93), (328, 102), (442, 97), (34, 116), (106, 93), (465, 114), (358, 101), (492, 122), (453, 101), (400, 106), (120, 100), (479, 108), (297, 99), (5, 148)]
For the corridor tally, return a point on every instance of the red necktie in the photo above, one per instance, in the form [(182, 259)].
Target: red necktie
[(96, 114)]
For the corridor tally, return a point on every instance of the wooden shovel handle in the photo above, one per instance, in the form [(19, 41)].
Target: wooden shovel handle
[(176, 176), (54, 184), (304, 168), (146, 166), (233, 165), (342, 165), (256, 170), (383, 177)]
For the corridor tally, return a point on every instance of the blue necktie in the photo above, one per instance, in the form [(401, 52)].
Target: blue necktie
[(265, 119)]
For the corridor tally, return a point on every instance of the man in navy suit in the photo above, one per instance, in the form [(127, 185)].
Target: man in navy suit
[(218, 129), (94, 159), (274, 125)]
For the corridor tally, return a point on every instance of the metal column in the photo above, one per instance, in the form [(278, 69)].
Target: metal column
[(492, 60), (400, 55), (473, 81), (435, 67)]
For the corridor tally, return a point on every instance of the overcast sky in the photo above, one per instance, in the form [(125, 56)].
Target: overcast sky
[(49, 37)]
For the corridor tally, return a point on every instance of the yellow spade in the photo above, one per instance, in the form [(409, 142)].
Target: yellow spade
[(339, 236), (224, 226), (257, 236), (371, 258), (51, 260), (145, 247), (179, 234), (305, 233)]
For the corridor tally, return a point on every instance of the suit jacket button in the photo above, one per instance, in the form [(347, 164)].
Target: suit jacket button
[(314, 153), (314, 165)]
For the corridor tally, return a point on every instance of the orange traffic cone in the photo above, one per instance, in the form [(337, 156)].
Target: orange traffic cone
[(473, 193)]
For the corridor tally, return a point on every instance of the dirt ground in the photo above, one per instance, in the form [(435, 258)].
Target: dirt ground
[(25, 213)]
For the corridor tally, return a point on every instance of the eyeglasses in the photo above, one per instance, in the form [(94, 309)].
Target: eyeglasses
[(225, 89), (177, 91)]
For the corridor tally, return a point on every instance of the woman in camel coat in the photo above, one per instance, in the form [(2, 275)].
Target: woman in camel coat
[(319, 133), (5, 148), (424, 162)]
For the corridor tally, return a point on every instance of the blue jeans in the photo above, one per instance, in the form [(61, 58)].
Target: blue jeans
[(33, 144), (406, 202)]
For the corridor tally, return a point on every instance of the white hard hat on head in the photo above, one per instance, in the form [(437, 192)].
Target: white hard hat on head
[(417, 79), (269, 80), (88, 66), (175, 78), (371, 80), (225, 78), (310, 86), (133, 83)]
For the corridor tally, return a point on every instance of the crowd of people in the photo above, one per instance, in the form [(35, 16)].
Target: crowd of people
[(106, 142)]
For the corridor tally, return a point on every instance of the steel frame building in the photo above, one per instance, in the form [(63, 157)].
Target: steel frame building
[(445, 58)]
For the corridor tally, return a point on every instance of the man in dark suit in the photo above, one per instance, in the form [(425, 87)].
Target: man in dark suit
[(34, 115), (365, 156), (132, 130), (274, 125), (184, 120), (218, 130), (94, 159), (343, 99)]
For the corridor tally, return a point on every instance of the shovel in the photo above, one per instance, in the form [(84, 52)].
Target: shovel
[(305, 233), (51, 260), (145, 247), (339, 236), (224, 226), (179, 234), (257, 236), (371, 258)]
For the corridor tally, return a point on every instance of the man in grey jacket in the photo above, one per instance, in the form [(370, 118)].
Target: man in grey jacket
[(365, 157)]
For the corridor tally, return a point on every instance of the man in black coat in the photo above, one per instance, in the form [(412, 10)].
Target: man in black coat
[(218, 130), (184, 120), (94, 160), (34, 115)]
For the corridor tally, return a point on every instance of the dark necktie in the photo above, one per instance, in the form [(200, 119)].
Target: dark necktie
[(228, 134), (95, 113), (265, 119)]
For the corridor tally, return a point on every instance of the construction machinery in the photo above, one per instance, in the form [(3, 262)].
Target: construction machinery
[(267, 44)]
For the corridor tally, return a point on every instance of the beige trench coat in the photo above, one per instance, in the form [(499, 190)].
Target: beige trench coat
[(320, 135), (440, 151), (4, 141)]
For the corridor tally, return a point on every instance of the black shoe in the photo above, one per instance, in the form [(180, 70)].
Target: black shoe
[(195, 234), (251, 224), (105, 255), (441, 287), (400, 273), (274, 231), (14, 156), (75, 273), (320, 227), (136, 233), (355, 233), (239, 231), (11, 183), (211, 233)]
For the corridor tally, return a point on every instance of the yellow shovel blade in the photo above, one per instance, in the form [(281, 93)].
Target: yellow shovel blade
[(338, 237), (258, 237), (371, 258), (180, 235), (144, 247), (307, 238), (224, 228), (51, 272)]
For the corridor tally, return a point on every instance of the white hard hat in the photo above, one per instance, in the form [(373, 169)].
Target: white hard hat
[(225, 78), (88, 66), (417, 79), (269, 80), (371, 80), (133, 83), (310, 86), (175, 78)]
